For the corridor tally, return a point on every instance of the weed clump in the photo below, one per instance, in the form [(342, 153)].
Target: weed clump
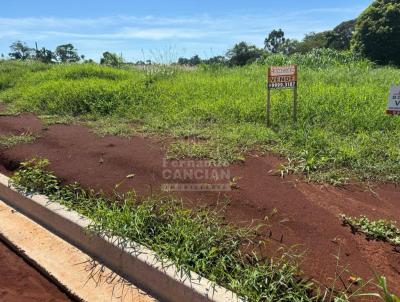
[(12, 140), (381, 229)]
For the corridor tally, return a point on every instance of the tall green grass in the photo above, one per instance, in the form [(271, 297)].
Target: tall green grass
[(12, 71), (342, 130), (318, 58)]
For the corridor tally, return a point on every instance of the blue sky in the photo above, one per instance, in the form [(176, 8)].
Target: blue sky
[(165, 30)]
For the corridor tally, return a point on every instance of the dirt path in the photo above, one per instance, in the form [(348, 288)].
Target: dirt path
[(305, 214), (19, 282)]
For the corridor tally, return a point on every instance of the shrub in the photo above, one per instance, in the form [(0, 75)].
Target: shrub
[(377, 34)]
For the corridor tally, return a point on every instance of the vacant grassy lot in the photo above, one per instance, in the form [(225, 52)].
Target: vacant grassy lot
[(342, 134), (342, 131)]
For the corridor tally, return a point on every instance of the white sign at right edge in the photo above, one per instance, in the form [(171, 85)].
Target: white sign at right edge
[(394, 100)]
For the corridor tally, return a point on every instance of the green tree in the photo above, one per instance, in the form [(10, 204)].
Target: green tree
[(20, 51), (313, 40), (183, 61), (377, 32), (289, 47), (67, 53), (217, 60), (111, 59), (274, 41), (340, 37), (242, 54), (89, 61), (44, 55), (195, 60)]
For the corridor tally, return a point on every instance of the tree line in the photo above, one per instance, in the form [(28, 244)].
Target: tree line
[(375, 35), (276, 43), (65, 53)]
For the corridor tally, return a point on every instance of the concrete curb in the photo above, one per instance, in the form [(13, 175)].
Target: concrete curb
[(139, 265)]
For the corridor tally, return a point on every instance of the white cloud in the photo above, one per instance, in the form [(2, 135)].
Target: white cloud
[(160, 33), (129, 33), (53, 22), (9, 33)]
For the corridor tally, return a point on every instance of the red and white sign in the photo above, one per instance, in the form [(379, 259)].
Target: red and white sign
[(281, 77), (394, 101)]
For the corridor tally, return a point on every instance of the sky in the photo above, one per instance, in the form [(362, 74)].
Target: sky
[(165, 30)]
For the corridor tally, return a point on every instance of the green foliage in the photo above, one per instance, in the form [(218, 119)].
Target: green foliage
[(379, 229), (32, 177), (20, 51), (387, 296), (274, 41), (75, 90), (111, 59), (44, 55), (313, 41), (342, 131), (12, 71), (214, 150), (377, 34), (340, 37), (12, 140), (217, 60), (194, 240), (242, 54), (319, 58), (111, 126), (193, 61), (48, 120), (337, 39), (66, 53)]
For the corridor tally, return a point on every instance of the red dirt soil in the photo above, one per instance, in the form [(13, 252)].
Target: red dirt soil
[(19, 282), (305, 214)]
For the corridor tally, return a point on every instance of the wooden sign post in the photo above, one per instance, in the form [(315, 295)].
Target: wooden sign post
[(282, 77)]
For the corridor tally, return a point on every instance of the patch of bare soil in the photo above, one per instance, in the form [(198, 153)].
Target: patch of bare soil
[(306, 215)]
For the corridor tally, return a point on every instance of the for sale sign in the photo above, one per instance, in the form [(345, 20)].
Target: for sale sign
[(394, 100), (281, 77)]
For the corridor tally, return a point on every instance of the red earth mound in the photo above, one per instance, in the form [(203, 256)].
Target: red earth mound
[(305, 215)]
